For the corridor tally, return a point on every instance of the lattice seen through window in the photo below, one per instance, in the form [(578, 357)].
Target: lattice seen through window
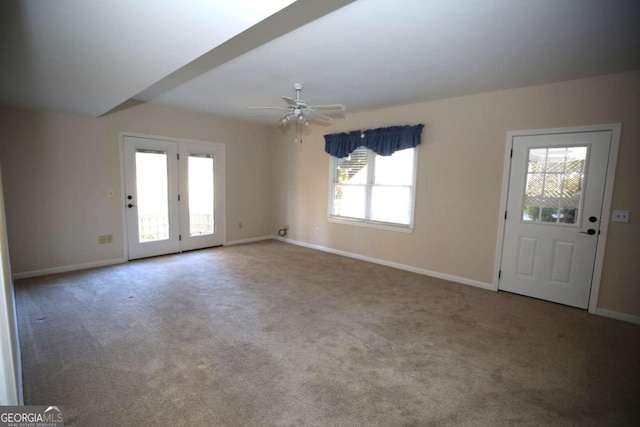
[(553, 193)]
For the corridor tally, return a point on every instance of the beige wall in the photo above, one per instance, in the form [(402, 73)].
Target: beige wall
[(459, 179), (57, 169)]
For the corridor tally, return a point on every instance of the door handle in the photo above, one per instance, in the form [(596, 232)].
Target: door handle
[(131, 206), (590, 232)]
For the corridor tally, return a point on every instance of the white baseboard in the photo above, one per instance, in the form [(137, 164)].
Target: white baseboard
[(251, 240), (54, 270), (451, 278), (618, 316), (66, 268)]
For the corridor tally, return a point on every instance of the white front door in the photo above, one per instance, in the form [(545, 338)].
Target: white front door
[(174, 195), (554, 209)]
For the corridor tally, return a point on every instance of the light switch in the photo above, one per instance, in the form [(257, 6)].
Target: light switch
[(620, 216)]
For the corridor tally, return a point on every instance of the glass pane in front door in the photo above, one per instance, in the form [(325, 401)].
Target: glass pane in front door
[(152, 195), (201, 194), (553, 192)]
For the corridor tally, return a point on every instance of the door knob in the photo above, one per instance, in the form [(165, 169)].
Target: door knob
[(590, 232), (130, 206)]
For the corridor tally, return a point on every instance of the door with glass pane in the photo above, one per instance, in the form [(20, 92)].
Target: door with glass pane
[(201, 187), (554, 208), (174, 196)]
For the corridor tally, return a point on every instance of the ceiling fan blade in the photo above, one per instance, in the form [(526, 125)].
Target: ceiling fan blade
[(298, 110), (318, 116), (289, 100), (333, 107), (332, 113)]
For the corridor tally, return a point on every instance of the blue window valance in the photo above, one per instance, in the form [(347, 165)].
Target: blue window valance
[(383, 141)]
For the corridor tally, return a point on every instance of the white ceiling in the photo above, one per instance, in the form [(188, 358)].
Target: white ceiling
[(88, 57)]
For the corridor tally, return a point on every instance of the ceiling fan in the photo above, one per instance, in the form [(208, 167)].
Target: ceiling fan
[(300, 112)]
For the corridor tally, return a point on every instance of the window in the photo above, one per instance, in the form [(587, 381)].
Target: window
[(371, 189), (553, 192)]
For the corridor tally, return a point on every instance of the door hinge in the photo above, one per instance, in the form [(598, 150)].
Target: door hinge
[(511, 155), (178, 156), (180, 237), (499, 274), (178, 197), (505, 214)]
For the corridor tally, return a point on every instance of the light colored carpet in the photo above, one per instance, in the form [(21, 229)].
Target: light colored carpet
[(274, 334)]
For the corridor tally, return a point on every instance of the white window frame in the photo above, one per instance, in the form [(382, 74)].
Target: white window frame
[(363, 222)]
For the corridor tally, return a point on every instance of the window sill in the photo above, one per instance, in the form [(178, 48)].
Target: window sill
[(371, 224)]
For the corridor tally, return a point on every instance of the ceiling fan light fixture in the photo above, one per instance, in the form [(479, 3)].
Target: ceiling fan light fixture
[(300, 112)]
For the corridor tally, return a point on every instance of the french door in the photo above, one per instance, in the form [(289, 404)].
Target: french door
[(174, 195), (554, 215)]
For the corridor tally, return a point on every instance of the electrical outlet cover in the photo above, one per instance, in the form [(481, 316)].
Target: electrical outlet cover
[(620, 216)]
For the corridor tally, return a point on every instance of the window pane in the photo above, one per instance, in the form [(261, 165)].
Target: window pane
[(349, 201), (153, 196), (396, 169), (201, 194), (391, 204), (553, 192), (353, 169)]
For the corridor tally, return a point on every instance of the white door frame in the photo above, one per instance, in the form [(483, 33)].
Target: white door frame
[(220, 186), (615, 129)]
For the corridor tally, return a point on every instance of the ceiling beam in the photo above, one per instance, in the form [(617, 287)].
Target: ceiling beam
[(286, 20)]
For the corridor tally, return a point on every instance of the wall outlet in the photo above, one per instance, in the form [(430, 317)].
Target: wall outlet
[(620, 216), (106, 238)]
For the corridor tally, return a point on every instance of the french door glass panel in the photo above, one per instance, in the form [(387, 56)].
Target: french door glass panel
[(201, 194), (153, 195)]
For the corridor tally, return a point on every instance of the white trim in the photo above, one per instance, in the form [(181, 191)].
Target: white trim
[(506, 173), (371, 224), (251, 240), (618, 316), (615, 129), (63, 269), (123, 199), (451, 278)]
